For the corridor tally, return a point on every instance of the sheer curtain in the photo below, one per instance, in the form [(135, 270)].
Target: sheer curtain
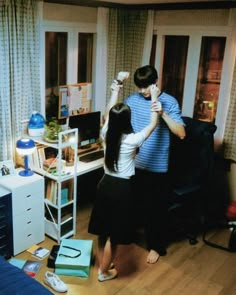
[(126, 40), (230, 128), (19, 69)]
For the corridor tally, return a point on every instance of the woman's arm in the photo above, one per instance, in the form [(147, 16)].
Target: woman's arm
[(115, 88)]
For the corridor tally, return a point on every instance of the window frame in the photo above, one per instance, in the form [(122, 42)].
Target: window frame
[(195, 34), (72, 29)]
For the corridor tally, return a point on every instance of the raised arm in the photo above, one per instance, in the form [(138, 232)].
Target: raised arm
[(115, 89)]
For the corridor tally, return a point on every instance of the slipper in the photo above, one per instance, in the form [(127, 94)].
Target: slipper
[(109, 275)]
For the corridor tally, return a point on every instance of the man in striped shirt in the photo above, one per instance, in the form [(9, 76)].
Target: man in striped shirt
[(151, 184)]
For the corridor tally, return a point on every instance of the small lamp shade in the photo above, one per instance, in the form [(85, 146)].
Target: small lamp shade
[(25, 147)]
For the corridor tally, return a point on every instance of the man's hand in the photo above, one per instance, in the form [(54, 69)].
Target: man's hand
[(155, 92)]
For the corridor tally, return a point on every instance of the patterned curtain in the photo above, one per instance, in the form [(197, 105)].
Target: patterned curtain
[(126, 37), (19, 70), (230, 128)]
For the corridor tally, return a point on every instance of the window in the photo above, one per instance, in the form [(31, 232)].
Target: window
[(55, 69), (85, 57), (195, 65), (68, 60), (174, 66), (209, 78)]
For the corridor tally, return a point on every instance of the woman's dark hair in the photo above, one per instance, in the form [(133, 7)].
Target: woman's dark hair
[(145, 76), (119, 123)]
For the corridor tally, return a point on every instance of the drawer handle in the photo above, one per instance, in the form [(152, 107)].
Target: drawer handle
[(28, 222), (29, 209), (28, 196), (29, 235)]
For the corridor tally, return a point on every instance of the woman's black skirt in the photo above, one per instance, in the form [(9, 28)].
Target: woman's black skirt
[(112, 214)]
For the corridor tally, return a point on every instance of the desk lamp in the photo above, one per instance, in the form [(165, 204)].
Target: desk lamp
[(25, 147)]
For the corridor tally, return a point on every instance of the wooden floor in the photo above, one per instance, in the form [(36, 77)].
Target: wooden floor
[(187, 269)]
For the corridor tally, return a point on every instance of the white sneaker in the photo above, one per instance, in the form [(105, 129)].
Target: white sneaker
[(122, 76), (53, 281)]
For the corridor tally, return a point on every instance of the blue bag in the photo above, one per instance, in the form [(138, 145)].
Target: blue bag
[(74, 257)]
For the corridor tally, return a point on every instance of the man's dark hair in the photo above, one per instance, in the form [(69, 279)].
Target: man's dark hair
[(145, 76)]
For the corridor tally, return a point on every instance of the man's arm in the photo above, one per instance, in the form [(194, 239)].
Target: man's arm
[(174, 127)]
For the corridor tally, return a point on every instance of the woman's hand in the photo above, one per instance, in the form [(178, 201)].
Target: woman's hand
[(115, 86), (157, 107)]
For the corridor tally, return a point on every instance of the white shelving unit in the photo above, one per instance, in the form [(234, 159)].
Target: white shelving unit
[(60, 217)]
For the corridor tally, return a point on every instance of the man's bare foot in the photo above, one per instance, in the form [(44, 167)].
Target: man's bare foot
[(152, 257)]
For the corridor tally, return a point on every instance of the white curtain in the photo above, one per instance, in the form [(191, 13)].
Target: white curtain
[(230, 128), (148, 38), (126, 39), (101, 59), (19, 70)]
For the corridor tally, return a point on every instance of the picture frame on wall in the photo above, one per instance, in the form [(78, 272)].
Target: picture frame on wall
[(7, 168)]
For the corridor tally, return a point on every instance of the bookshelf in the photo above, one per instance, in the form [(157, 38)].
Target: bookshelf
[(57, 162)]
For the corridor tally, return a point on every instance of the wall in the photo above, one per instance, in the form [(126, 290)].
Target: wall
[(219, 17), (69, 13)]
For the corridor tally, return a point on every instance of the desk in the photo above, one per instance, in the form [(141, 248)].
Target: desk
[(81, 168)]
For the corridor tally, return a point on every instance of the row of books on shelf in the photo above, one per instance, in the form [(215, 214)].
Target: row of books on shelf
[(51, 192), (44, 157)]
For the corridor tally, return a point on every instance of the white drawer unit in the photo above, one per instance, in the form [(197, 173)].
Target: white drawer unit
[(27, 209)]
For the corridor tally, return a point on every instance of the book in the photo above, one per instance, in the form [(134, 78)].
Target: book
[(38, 251), (41, 156), (50, 163), (48, 186), (30, 267)]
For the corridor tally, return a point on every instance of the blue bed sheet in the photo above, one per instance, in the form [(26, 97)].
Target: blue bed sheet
[(15, 282)]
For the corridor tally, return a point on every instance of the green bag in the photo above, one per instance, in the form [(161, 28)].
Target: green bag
[(74, 257)]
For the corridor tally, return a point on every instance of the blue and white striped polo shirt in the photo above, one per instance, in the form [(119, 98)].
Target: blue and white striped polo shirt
[(154, 153)]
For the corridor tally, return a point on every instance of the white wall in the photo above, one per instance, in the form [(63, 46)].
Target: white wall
[(69, 13)]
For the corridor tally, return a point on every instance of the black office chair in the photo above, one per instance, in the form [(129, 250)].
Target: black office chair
[(191, 164)]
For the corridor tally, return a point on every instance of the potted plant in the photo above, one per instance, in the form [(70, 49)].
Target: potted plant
[(52, 129)]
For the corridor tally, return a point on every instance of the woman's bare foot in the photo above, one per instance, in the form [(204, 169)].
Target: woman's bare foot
[(152, 257)]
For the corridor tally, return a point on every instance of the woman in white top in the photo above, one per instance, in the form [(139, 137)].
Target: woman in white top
[(111, 217)]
